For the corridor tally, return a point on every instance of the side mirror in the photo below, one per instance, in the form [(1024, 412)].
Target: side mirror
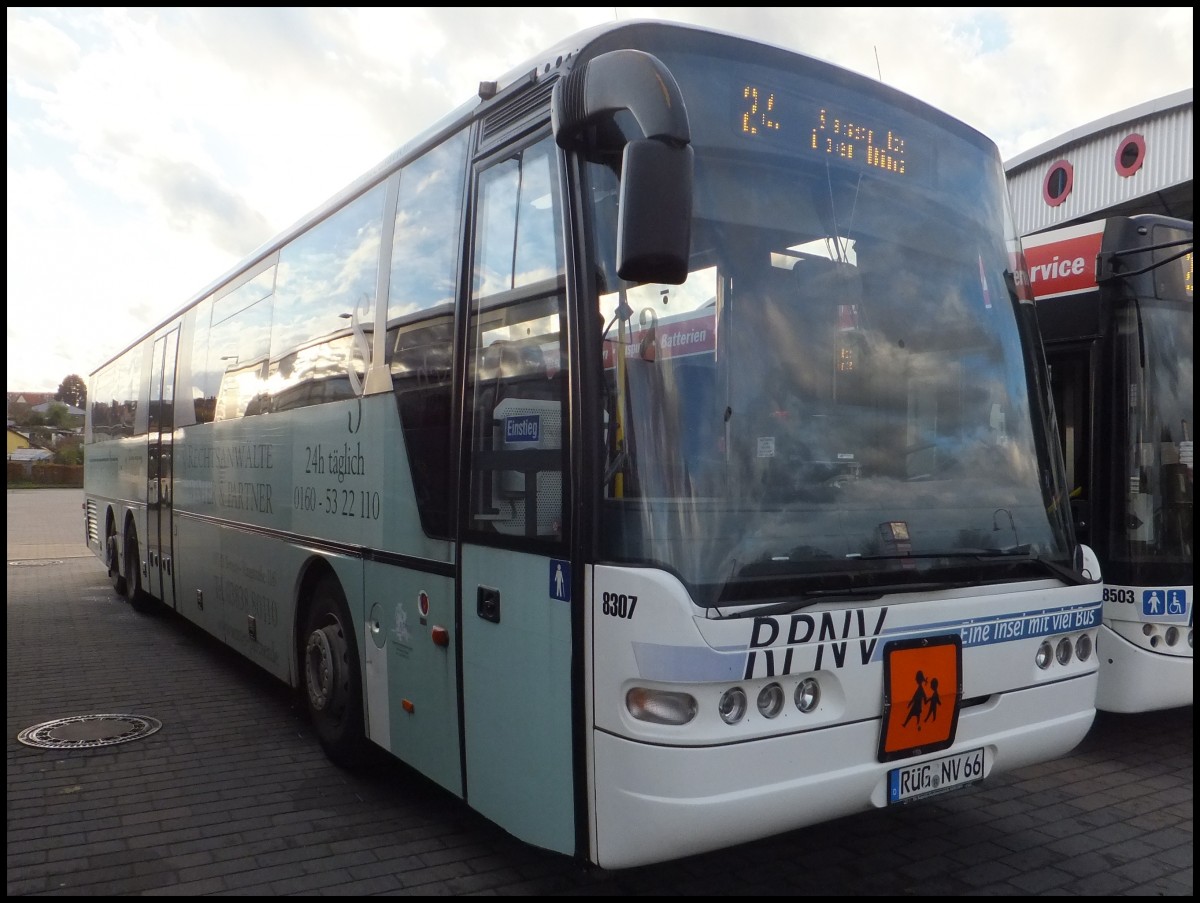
[(654, 228)]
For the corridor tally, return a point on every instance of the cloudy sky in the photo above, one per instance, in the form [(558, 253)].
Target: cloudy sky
[(149, 149)]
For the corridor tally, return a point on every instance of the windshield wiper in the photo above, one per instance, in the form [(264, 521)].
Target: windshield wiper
[(803, 600), (1066, 574), (1011, 556), (857, 588)]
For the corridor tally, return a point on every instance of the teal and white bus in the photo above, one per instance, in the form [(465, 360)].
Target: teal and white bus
[(655, 454), (1114, 299)]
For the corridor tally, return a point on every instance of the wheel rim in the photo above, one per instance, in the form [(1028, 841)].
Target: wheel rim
[(110, 551), (321, 667), (133, 577)]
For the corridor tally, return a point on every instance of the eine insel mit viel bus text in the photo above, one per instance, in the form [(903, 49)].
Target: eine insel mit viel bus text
[(655, 454)]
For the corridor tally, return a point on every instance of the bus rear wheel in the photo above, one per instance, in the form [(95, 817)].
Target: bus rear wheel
[(332, 681), (113, 561), (139, 599)]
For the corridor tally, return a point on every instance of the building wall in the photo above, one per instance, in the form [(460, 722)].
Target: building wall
[(1161, 183)]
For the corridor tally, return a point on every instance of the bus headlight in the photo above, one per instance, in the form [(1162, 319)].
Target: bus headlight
[(808, 694), (1045, 655), (1083, 647), (1172, 636), (732, 705), (770, 700), (660, 706), (1063, 651)]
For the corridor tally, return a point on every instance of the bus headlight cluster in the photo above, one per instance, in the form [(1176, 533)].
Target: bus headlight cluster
[(677, 708), (660, 706), (732, 705), (1063, 650), (808, 695), (1171, 636), (771, 700), (1083, 647)]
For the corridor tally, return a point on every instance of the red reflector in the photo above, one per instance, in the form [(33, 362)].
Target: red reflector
[(441, 636), (408, 706)]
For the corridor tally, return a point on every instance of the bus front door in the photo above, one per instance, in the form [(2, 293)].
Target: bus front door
[(516, 603), (160, 581), (515, 575)]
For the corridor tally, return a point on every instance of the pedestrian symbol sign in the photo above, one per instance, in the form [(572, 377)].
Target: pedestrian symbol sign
[(560, 580), (1169, 603)]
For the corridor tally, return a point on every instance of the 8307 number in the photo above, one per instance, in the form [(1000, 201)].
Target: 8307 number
[(618, 605)]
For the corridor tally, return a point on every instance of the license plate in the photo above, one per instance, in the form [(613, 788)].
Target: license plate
[(921, 779)]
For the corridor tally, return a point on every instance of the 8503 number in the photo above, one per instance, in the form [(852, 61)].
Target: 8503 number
[(1117, 594)]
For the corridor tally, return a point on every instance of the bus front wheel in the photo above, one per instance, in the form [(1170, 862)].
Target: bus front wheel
[(332, 681)]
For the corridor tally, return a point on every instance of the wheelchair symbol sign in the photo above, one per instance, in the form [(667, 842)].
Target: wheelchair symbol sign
[(1168, 603)]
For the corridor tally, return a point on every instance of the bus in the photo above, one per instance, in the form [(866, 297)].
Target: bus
[(1114, 299), (656, 454)]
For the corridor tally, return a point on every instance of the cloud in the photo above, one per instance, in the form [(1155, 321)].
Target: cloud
[(150, 148)]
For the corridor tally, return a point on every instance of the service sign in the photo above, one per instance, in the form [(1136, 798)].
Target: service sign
[(1063, 262)]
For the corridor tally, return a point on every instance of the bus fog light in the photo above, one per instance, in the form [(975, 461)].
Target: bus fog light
[(1189, 638), (1083, 647), (660, 706), (732, 705), (808, 694), (1172, 636), (1045, 655), (1063, 651), (770, 700)]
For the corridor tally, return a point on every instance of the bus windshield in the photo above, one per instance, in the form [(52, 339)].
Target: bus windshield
[(1151, 533), (838, 397)]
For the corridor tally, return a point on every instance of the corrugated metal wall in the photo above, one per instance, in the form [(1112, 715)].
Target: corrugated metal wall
[(1098, 187)]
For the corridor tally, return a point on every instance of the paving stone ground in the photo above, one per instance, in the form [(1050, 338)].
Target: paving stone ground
[(233, 795)]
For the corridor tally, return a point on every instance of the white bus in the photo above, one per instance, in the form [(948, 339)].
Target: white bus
[(655, 454), (1114, 300)]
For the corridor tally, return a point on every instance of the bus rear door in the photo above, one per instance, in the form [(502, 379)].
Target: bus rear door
[(160, 581)]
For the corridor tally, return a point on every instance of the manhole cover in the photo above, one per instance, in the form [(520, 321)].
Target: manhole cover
[(86, 731)]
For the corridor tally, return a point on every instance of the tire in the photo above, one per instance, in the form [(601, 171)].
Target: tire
[(113, 560), (139, 599), (330, 676)]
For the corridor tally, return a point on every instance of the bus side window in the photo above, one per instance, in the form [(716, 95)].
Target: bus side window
[(325, 291), (420, 320), (518, 372)]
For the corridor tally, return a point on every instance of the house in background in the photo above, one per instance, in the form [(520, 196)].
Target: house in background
[(44, 408), (20, 448), (30, 398), (21, 406)]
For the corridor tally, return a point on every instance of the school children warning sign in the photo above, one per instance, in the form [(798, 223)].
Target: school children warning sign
[(922, 691)]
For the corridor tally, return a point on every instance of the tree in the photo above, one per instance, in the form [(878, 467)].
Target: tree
[(59, 416), (72, 390), (69, 451)]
